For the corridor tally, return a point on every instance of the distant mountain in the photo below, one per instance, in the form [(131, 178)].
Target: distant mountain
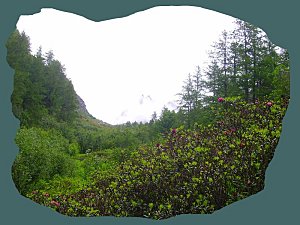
[(85, 113)]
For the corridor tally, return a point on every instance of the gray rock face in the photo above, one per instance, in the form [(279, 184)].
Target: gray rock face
[(83, 111), (82, 106)]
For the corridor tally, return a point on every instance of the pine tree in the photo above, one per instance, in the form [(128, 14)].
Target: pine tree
[(187, 98), (198, 83)]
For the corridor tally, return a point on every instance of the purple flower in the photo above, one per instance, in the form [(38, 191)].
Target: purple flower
[(57, 204), (221, 99), (269, 104)]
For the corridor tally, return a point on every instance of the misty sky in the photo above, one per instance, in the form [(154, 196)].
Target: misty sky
[(127, 68)]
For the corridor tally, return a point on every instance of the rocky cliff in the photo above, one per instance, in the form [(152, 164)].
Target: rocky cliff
[(85, 113)]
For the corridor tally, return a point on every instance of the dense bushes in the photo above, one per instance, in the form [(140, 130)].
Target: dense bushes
[(43, 154), (199, 170)]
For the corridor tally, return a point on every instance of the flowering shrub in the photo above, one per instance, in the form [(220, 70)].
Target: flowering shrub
[(199, 170)]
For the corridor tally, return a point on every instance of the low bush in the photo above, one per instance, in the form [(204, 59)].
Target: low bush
[(198, 170)]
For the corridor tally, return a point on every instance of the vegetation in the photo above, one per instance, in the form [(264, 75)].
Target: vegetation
[(198, 170), (211, 152)]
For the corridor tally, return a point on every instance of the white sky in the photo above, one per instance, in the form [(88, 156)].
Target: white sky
[(114, 63)]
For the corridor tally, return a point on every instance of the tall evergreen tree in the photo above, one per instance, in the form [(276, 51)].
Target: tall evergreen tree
[(41, 88), (199, 89), (18, 51), (213, 73), (187, 98)]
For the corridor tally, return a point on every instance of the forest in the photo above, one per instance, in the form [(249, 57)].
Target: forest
[(212, 151)]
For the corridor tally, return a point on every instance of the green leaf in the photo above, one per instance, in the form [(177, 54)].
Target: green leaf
[(151, 205)]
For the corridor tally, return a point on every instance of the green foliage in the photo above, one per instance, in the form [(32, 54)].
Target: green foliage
[(43, 154), (18, 50), (41, 88), (167, 120), (198, 170), (59, 185), (73, 149)]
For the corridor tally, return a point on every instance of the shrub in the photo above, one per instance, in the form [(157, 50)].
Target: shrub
[(198, 170), (42, 155)]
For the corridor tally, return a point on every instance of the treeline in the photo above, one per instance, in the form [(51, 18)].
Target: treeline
[(243, 64), (42, 92)]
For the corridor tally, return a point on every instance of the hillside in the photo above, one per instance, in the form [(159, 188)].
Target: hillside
[(189, 171)]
